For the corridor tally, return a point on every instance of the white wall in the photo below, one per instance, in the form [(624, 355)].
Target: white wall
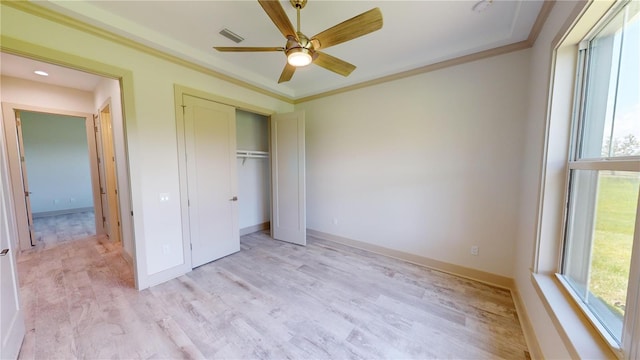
[(539, 73), (25, 92), (427, 165), (57, 161), (253, 173), (151, 131)]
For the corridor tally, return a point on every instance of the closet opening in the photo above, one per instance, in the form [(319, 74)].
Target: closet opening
[(254, 172)]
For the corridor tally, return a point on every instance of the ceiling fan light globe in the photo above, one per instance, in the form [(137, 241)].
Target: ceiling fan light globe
[(299, 57)]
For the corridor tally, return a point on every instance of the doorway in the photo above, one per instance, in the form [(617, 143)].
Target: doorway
[(201, 207), (254, 185), (57, 177), (107, 173)]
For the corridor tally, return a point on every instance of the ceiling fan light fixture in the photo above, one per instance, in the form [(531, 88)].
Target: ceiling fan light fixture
[(299, 57)]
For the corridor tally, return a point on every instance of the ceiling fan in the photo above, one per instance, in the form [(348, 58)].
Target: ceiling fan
[(301, 50)]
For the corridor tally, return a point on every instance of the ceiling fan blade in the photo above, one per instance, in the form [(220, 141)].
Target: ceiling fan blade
[(357, 26), (247, 49), (334, 64), (287, 73), (279, 17)]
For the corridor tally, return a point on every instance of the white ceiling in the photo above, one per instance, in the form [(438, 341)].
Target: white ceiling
[(414, 34), (22, 68)]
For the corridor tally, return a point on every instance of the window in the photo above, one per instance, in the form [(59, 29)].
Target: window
[(601, 226)]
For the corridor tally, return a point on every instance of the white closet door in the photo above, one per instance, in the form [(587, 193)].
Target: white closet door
[(210, 140), (289, 219)]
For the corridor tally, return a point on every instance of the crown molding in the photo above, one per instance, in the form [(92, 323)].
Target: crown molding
[(42, 12), (65, 20), (521, 45)]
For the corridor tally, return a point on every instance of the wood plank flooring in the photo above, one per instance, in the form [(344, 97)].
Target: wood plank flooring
[(52, 230), (272, 300)]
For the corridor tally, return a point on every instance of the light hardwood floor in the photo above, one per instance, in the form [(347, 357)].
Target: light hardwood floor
[(52, 230), (272, 300)]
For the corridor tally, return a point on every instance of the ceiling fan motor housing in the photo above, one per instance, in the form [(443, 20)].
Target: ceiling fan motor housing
[(301, 50), (298, 3)]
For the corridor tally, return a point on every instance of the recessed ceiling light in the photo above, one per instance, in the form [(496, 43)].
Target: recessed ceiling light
[(41, 73), (482, 5)]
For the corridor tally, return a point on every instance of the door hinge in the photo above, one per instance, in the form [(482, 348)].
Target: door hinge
[(191, 246), (116, 191), (99, 161), (95, 128), (188, 202), (118, 223), (131, 212), (22, 158), (18, 122), (26, 193)]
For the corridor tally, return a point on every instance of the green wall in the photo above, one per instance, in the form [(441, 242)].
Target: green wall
[(57, 159)]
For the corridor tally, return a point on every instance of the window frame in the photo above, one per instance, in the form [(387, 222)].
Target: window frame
[(629, 346)]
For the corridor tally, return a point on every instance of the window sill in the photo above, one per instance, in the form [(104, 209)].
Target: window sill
[(579, 336)]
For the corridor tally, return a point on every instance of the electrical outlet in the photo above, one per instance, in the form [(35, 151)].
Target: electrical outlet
[(475, 250)]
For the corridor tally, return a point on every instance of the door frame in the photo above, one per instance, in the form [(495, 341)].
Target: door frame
[(17, 182), (125, 78), (179, 92), (110, 174)]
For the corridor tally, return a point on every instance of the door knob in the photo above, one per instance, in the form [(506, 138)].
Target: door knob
[(4, 252), (235, 198)]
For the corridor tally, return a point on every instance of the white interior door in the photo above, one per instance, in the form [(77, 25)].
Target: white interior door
[(210, 142), (25, 182), (101, 175), (111, 185), (288, 215), (12, 326)]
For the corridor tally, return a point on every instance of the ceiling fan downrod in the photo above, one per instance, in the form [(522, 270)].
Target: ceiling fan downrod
[(299, 5)]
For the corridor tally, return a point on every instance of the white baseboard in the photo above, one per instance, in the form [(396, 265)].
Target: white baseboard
[(61, 212), (127, 257), (488, 278), (465, 272), (251, 229), (535, 352)]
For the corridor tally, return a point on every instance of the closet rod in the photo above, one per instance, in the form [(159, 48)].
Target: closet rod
[(248, 154)]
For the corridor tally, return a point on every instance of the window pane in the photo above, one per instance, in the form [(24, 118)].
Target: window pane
[(600, 230), (611, 126)]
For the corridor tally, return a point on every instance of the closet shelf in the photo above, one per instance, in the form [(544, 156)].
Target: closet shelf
[(250, 154)]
